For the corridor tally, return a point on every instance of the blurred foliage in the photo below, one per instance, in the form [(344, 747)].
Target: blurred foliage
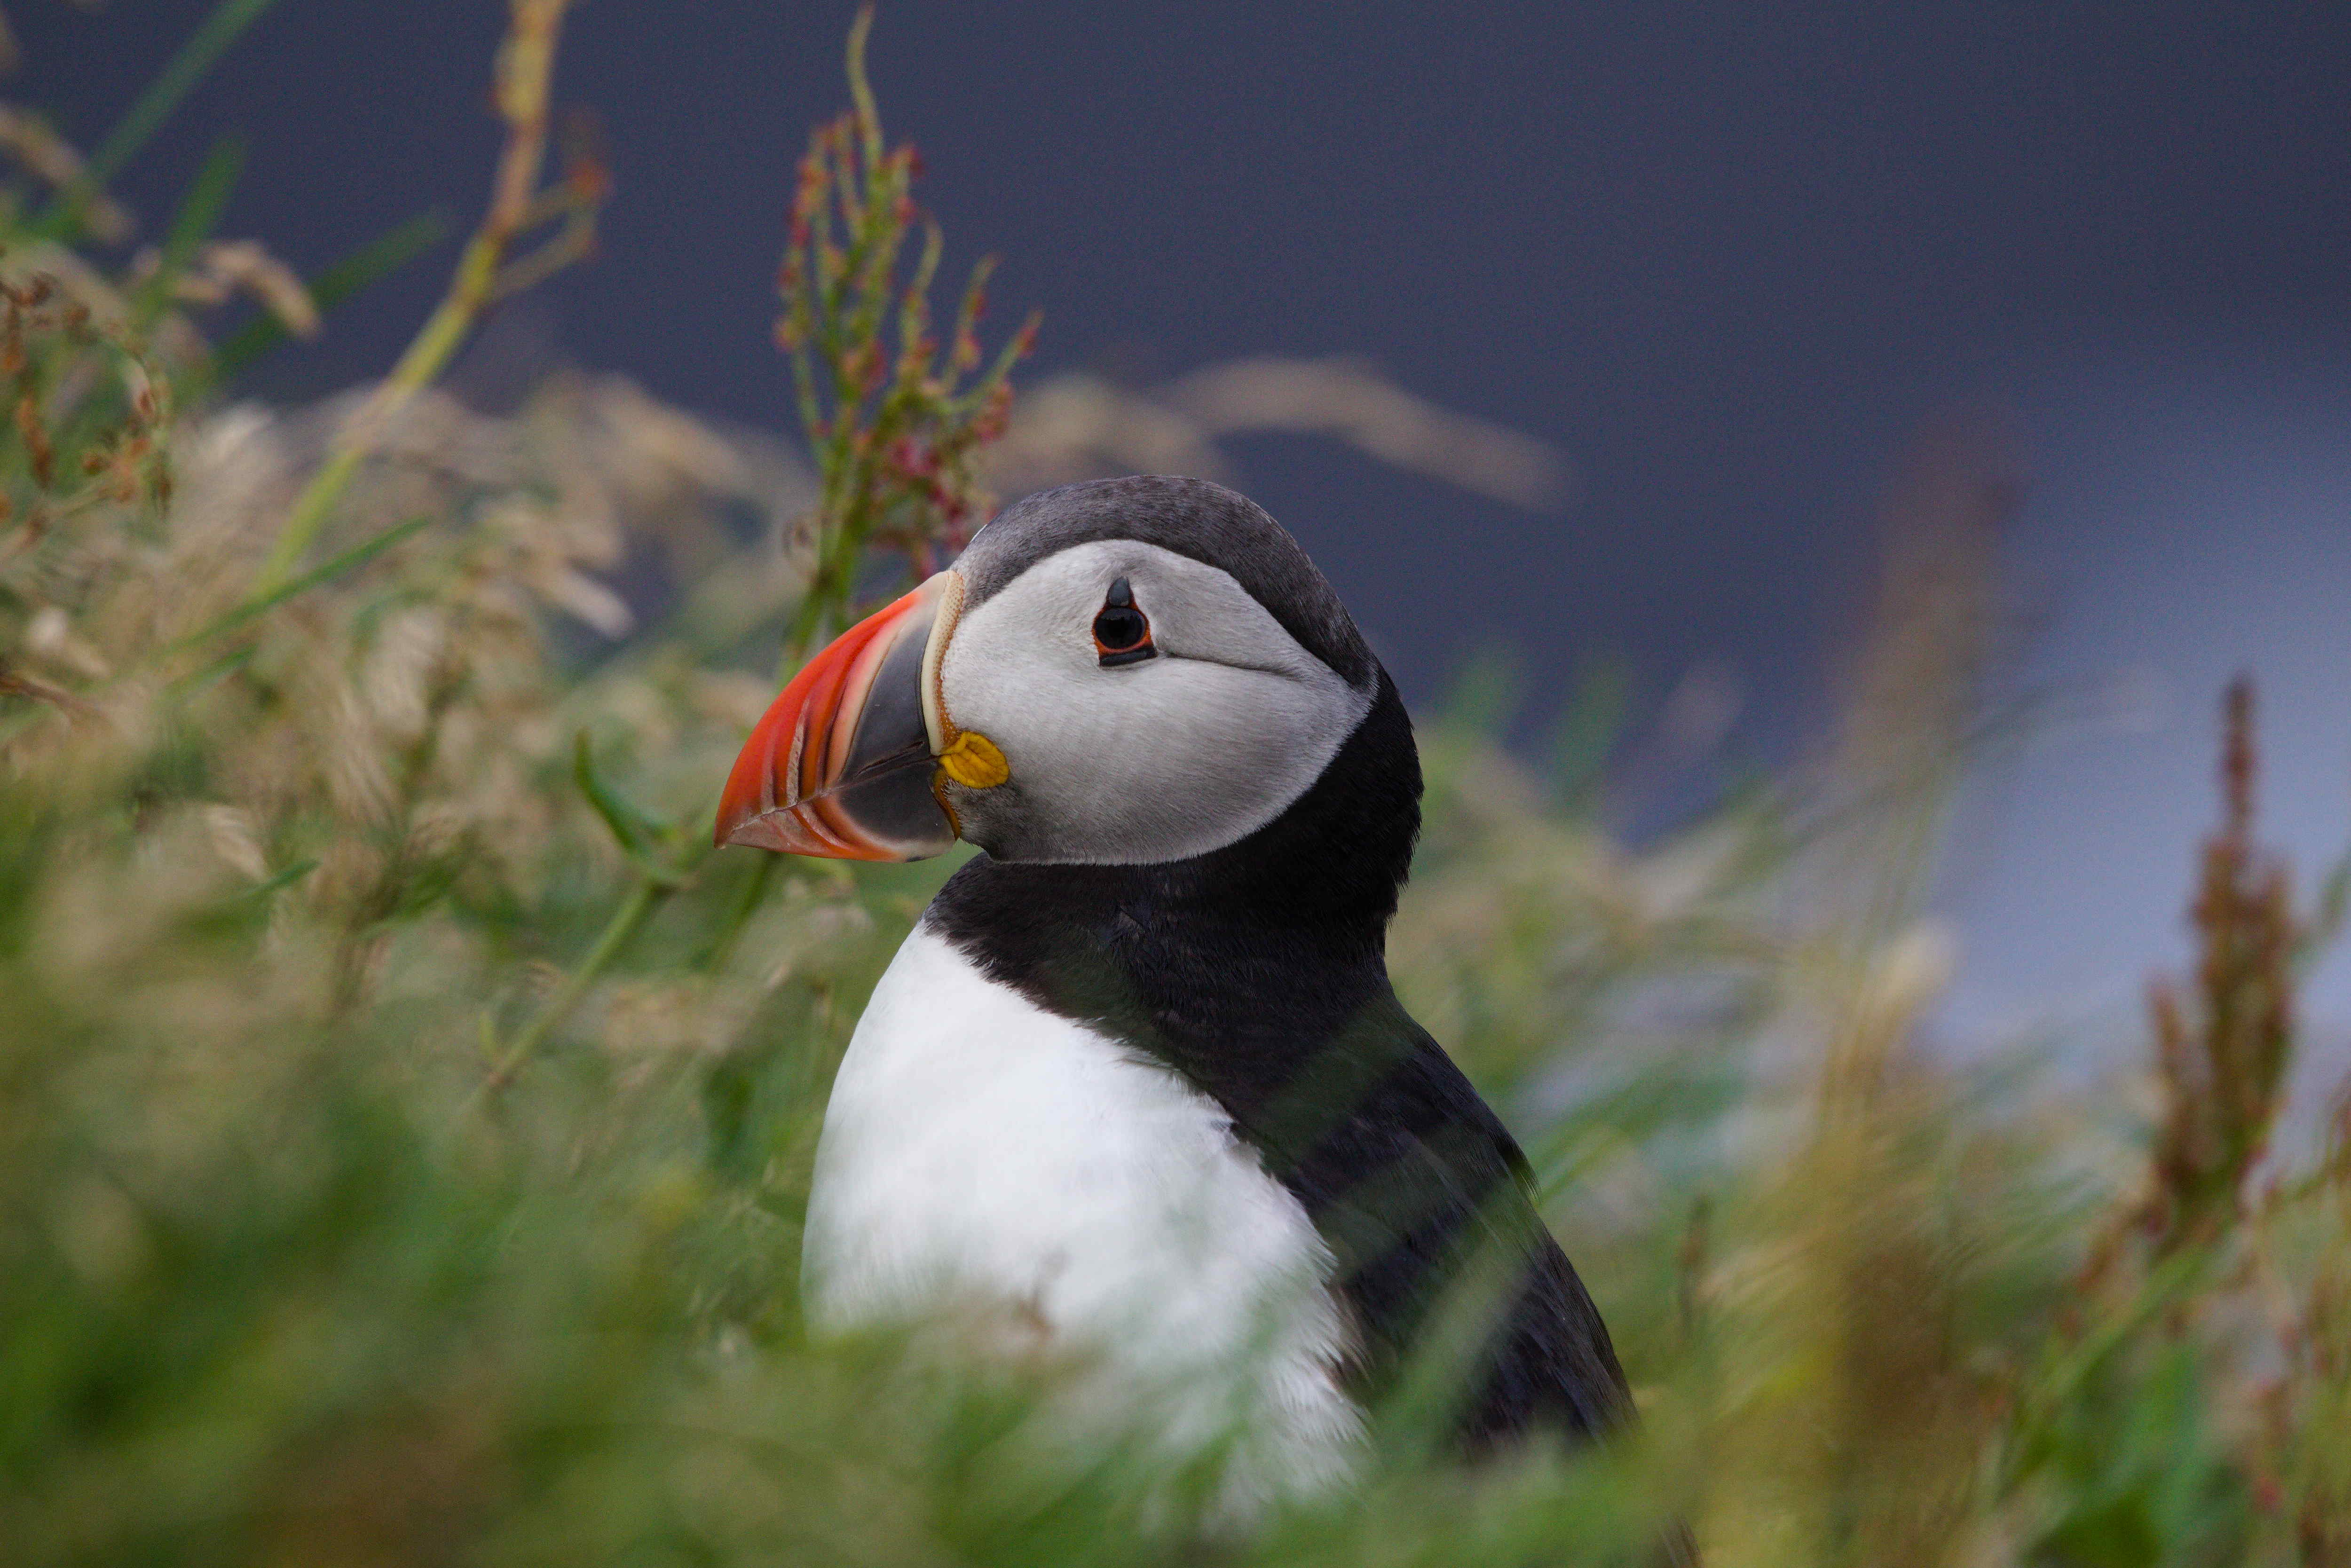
[(404, 1121)]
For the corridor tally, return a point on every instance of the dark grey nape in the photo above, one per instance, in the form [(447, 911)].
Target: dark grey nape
[(1191, 517)]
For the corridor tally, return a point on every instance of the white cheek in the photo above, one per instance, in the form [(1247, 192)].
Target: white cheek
[(1158, 760), (1181, 758)]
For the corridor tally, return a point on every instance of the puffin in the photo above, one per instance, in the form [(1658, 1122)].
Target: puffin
[(1136, 1089)]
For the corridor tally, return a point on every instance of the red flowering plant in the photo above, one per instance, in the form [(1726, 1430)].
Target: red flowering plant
[(894, 428)]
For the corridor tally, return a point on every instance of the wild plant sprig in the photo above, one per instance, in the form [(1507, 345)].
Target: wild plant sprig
[(55, 352), (2223, 1062), (895, 427)]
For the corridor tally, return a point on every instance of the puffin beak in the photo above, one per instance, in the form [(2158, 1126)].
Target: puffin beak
[(845, 763)]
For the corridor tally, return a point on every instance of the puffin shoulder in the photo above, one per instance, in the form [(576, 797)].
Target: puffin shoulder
[(1421, 1190)]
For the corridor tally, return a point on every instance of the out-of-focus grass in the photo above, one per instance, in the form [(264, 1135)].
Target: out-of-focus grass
[(404, 1123)]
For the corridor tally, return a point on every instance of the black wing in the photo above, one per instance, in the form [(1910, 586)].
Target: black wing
[(1425, 1198)]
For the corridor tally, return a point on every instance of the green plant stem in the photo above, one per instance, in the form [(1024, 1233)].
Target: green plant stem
[(644, 897), (2067, 1365), (526, 62), (418, 367), (747, 904)]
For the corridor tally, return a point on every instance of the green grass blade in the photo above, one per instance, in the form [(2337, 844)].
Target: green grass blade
[(286, 878), (630, 828), (172, 84), (199, 216), (363, 551)]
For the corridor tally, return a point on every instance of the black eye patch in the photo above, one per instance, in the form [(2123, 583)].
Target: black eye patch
[(1122, 631)]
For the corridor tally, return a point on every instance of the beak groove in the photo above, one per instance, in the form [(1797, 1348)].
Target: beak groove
[(840, 766)]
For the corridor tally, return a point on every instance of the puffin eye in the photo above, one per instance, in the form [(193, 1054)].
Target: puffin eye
[(1122, 633)]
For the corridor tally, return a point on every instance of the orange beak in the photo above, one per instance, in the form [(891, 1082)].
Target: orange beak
[(844, 764)]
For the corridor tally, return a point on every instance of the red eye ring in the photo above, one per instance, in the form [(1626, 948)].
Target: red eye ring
[(1122, 631)]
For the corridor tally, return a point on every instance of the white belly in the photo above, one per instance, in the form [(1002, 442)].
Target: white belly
[(980, 1154)]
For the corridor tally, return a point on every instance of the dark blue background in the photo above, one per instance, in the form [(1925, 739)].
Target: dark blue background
[(1727, 256)]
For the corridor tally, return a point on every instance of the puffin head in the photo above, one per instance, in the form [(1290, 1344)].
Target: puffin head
[(1124, 672)]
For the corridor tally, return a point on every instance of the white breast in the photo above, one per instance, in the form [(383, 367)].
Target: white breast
[(982, 1154)]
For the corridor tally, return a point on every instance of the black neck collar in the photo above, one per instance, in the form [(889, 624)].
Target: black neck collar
[(1233, 966)]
